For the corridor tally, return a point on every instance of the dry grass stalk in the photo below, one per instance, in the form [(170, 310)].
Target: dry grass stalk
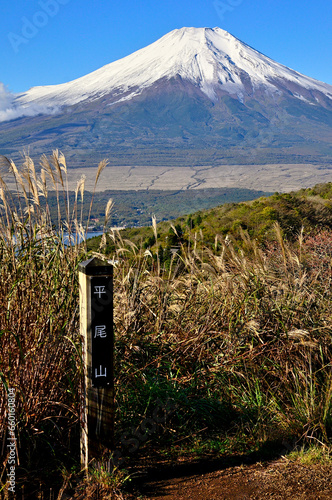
[(40, 343)]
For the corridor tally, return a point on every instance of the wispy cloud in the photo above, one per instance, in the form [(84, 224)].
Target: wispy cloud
[(6, 103), (10, 110)]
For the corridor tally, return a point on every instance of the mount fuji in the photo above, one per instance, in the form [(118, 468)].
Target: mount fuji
[(195, 96)]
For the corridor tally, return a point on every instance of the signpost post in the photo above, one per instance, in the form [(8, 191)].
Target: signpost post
[(96, 324)]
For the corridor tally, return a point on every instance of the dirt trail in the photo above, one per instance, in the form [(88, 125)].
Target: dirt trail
[(223, 480)]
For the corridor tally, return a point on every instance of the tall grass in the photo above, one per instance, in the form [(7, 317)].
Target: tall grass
[(40, 355), (236, 336), (245, 328)]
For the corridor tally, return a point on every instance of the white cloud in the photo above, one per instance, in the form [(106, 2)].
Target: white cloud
[(10, 111), (6, 101)]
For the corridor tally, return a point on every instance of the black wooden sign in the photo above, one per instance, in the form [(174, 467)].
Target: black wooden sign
[(96, 323), (102, 331)]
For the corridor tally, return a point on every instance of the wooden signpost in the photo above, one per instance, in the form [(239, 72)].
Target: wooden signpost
[(96, 323)]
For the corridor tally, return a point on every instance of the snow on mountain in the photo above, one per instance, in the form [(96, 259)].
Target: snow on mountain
[(211, 59)]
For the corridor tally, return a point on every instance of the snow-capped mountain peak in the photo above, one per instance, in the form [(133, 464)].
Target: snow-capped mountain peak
[(209, 58)]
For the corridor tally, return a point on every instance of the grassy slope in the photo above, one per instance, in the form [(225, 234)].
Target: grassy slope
[(307, 208)]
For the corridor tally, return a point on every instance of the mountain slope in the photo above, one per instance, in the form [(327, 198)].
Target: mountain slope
[(196, 96)]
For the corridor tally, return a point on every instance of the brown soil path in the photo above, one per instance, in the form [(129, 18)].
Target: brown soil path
[(218, 480)]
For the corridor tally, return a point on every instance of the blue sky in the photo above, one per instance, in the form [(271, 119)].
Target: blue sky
[(55, 41)]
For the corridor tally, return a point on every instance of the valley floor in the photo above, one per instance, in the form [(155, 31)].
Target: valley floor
[(272, 177)]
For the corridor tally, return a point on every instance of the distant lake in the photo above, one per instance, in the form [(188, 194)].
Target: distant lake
[(92, 234), (89, 234)]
